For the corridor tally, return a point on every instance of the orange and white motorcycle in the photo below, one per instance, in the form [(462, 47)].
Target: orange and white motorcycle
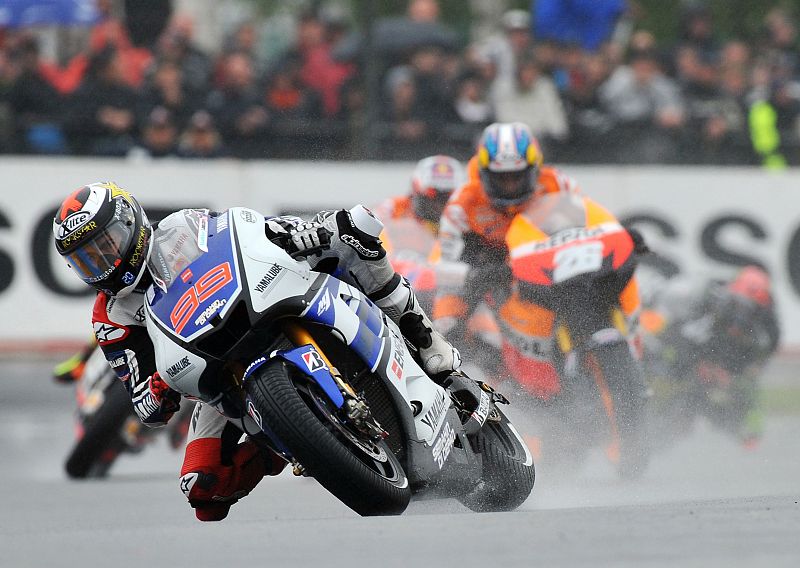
[(567, 321)]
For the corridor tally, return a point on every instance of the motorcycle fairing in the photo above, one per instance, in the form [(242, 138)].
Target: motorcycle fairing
[(203, 291), (380, 345)]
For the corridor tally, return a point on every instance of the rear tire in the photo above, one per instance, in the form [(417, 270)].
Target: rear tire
[(101, 443), (508, 470), (323, 450)]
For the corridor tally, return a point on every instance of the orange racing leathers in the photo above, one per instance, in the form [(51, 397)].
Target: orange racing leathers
[(472, 233)]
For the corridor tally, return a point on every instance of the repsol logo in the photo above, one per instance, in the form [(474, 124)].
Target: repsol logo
[(175, 370), (268, 278)]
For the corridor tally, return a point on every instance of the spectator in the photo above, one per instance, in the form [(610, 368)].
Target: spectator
[(532, 98), (111, 32), (319, 71), (7, 77), (646, 107), (100, 115), (423, 11), (159, 135), (697, 31), (243, 39), (35, 103), (201, 139), (588, 23), (286, 98), (167, 89), (472, 105), (501, 51), (238, 109), (404, 114), (780, 45), (176, 45)]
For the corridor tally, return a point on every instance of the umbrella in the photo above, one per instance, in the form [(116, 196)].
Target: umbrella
[(24, 13), (396, 37)]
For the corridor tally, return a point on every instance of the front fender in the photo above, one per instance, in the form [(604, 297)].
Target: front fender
[(308, 361)]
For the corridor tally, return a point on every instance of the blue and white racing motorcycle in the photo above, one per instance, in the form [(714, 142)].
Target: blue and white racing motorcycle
[(307, 365)]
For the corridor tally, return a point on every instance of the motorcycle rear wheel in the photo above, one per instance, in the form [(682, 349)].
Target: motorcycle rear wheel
[(306, 424), (508, 470)]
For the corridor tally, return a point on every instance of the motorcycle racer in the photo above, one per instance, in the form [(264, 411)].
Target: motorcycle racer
[(714, 338), (434, 179), (504, 175), (106, 238)]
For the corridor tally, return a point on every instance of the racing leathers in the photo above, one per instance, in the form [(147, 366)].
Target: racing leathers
[(217, 468), (472, 234)]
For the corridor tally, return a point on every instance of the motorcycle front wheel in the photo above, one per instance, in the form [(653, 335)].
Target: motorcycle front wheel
[(102, 442), (362, 473)]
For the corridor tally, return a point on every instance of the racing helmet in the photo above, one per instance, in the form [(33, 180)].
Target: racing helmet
[(753, 283), (509, 160), (434, 179), (105, 237)]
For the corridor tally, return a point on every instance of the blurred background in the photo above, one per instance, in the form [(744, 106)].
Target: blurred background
[(600, 81)]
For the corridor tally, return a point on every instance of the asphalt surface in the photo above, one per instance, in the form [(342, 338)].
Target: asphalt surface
[(706, 502)]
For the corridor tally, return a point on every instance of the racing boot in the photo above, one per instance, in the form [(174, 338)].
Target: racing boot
[(436, 355), (213, 486)]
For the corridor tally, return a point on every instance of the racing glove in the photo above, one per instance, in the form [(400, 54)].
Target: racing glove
[(157, 403), (308, 238)]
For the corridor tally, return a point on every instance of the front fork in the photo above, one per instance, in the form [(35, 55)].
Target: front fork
[(355, 407)]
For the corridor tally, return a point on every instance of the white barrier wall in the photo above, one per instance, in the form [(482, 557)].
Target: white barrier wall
[(702, 219)]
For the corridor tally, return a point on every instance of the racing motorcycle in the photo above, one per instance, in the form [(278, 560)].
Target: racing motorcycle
[(566, 338), (106, 425), (305, 364)]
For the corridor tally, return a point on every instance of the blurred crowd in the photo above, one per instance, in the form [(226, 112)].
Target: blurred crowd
[(591, 83)]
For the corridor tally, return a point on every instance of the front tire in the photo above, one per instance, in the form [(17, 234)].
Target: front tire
[(508, 470), (614, 366), (305, 423), (102, 442)]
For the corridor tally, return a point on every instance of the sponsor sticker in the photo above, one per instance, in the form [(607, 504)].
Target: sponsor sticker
[(324, 303), (443, 444), (313, 360), (268, 278), (177, 368), (434, 414), (253, 365), (212, 309), (107, 333), (186, 275), (360, 249)]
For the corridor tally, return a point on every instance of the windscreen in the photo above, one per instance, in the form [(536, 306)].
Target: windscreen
[(175, 245), (554, 212)]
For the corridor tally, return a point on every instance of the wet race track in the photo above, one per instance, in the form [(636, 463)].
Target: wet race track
[(705, 502)]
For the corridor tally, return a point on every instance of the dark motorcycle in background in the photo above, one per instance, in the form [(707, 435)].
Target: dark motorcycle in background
[(106, 426)]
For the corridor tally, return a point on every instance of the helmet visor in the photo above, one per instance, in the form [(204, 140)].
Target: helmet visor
[(97, 258), (510, 186)]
